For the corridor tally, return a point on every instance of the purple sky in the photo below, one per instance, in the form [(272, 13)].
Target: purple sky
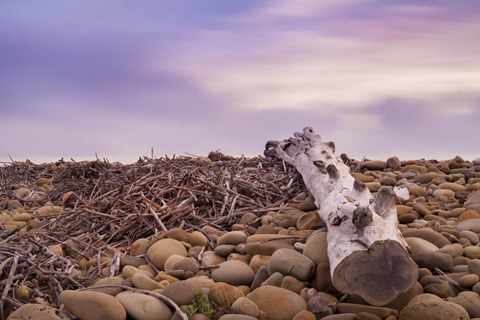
[(117, 78)]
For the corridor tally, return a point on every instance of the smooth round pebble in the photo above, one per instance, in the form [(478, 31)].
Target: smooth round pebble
[(93, 305), (304, 315), (109, 281), (277, 303), (471, 236), (233, 272), (161, 250), (144, 307), (474, 266), (316, 247), (468, 280), (36, 311), (470, 301), (293, 263), (473, 252), (419, 245), (232, 237), (245, 306), (430, 307), (435, 259), (236, 317)]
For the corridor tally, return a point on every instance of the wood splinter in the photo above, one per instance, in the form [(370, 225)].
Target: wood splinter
[(366, 251)]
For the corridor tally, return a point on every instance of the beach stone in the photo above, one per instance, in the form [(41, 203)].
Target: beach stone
[(362, 177), (248, 218), (421, 209), (144, 307), (197, 238), (224, 294), (270, 238), (277, 303), (233, 272), (49, 210), (427, 234), (439, 193), (417, 190), (274, 280), (441, 289), (469, 214), (304, 315), (291, 262), (470, 301), (430, 307), (224, 250), (310, 221), (181, 292), (161, 250), (34, 311), (407, 218), (402, 209), (468, 280), (176, 233), (382, 312), (142, 281), (265, 248), (432, 260), (474, 266), (470, 224), (341, 316), (232, 237), (110, 281), (257, 261), (139, 247), (245, 306), (405, 297), (452, 186), (323, 280), (260, 276), (454, 249), (418, 245), (471, 236), (373, 186), (292, 284), (387, 181), (170, 262), (472, 252), (374, 165), (93, 305), (210, 258), (394, 163), (476, 288), (132, 261), (308, 204), (129, 271), (236, 317), (316, 247)]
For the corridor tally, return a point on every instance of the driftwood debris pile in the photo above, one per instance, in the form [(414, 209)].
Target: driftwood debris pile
[(94, 208)]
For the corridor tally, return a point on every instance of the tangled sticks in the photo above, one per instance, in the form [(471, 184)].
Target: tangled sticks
[(366, 250)]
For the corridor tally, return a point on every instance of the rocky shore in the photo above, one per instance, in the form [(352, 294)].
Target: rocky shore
[(221, 238)]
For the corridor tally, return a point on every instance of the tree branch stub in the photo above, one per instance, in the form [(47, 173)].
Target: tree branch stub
[(366, 250)]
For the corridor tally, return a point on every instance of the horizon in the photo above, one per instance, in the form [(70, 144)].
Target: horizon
[(116, 79)]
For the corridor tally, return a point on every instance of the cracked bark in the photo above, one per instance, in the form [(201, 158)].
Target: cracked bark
[(366, 251)]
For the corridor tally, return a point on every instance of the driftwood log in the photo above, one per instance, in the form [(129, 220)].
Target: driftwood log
[(367, 253)]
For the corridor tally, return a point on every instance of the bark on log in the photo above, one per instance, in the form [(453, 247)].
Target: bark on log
[(366, 250)]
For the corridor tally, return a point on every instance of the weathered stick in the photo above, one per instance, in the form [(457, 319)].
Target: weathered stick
[(366, 250)]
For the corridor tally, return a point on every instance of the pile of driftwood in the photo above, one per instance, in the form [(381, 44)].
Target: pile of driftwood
[(106, 206)]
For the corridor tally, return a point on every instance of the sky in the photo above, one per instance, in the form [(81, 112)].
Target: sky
[(117, 79)]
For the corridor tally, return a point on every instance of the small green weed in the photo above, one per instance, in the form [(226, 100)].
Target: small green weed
[(200, 304)]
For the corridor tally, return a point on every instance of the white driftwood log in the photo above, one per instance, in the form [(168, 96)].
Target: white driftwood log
[(366, 250)]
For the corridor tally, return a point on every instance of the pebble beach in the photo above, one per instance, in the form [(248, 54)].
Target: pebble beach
[(219, 237)]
